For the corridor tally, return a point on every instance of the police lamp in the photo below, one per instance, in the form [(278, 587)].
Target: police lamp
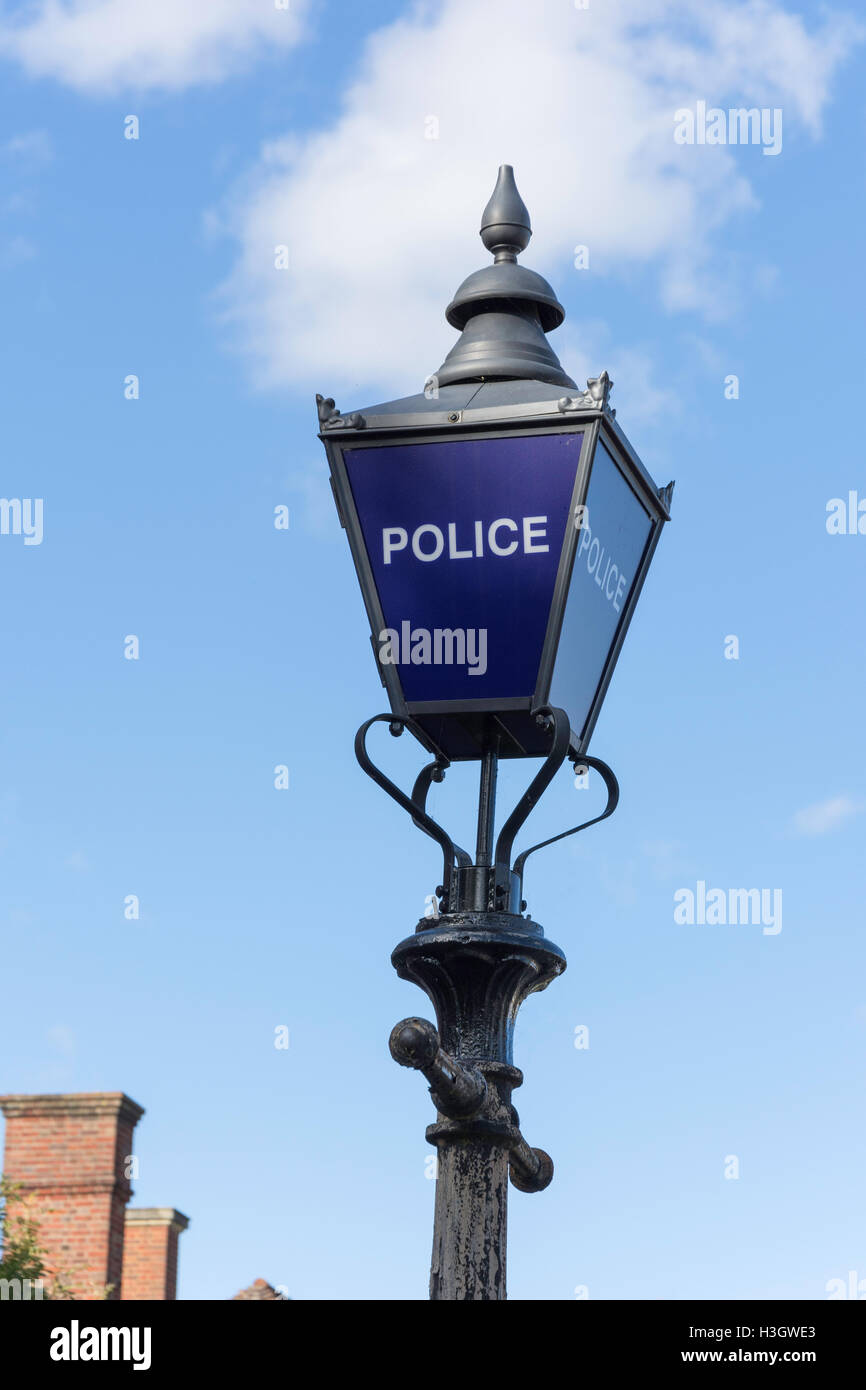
[(500, 522), (502, 527)]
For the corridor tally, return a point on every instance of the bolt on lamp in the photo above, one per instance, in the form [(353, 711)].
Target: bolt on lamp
[(501, 526)]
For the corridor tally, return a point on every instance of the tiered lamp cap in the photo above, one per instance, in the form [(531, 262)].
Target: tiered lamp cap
[(504, 310)]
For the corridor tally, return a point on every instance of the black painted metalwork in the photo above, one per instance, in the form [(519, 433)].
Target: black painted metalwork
[(477, 968), (479, 954), (491, 411), (505, 311), (610, 782), (477, 960), (415, 804), (490, 883)]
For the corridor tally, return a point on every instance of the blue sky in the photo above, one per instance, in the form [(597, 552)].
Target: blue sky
[(155, 777)]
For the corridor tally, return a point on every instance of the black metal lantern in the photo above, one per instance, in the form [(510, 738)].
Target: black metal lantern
[(502, 526), (501, 530)]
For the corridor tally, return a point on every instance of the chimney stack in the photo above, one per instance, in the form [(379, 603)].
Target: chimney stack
[(150, 1253), (71, 1155)]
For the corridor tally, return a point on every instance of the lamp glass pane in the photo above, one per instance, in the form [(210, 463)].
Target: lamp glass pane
[(464, 538), (610, 547)]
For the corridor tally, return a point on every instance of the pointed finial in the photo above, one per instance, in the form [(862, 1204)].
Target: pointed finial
[(505, 227), (504, 311)]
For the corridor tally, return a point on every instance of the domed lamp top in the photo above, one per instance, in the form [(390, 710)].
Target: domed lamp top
[(504, 310)]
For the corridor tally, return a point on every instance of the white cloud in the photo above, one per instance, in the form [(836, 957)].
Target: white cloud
[(33, 146), (101, 46), (380, 221), (826, 815)]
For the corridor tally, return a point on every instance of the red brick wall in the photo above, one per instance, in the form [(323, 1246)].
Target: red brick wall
[(69, 1153), (150, 1253)]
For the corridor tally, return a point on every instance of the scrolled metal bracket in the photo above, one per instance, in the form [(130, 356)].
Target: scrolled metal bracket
[(560, 749), (456, 859), (477, 965), (414, 805), (558, 724), (609, 778)]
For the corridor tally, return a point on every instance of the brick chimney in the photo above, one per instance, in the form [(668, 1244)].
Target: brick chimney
[(150, 1253), (70, 1154)]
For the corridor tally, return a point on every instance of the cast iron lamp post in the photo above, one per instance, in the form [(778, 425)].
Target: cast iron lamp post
[(502, 526)]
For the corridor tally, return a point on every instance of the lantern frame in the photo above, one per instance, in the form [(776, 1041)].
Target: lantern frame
[(459, 728)]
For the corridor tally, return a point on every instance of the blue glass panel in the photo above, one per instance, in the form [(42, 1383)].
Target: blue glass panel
[(613, 535), (464, 538)]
